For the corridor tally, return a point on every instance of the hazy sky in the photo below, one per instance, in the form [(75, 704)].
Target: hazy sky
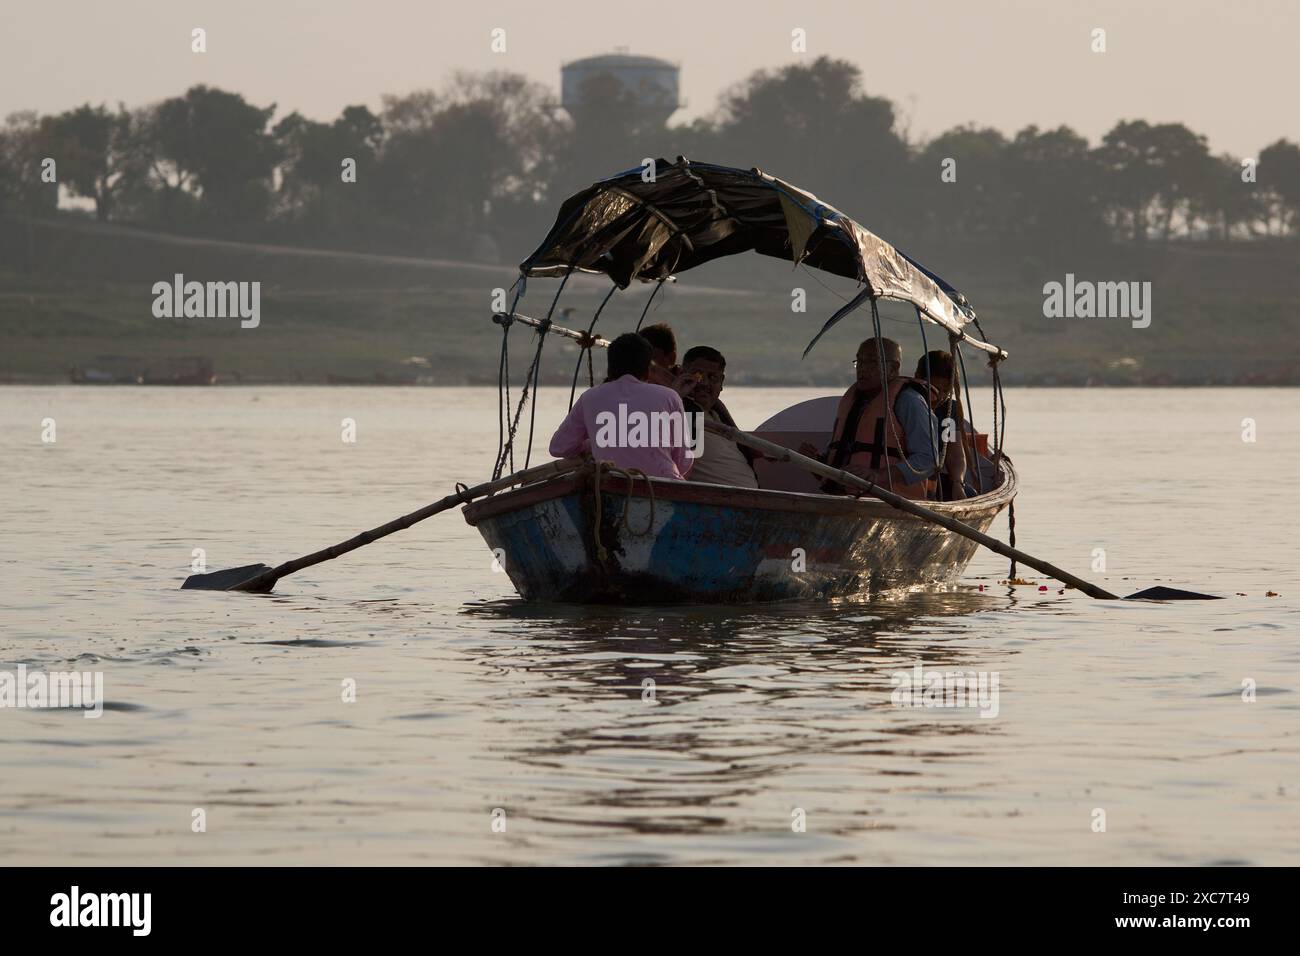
[(1228, 70)]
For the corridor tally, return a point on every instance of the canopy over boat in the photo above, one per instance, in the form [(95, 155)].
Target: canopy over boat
[(634, 226)]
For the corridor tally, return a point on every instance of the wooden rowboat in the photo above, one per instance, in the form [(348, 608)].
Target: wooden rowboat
[(597, 536), (657, 541), (583, 531)]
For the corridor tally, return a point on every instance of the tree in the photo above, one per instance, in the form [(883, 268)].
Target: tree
[(312, 188), (90, 145), (1152, 174), (455, 163), (1279, 175), (1222, 200), (612, 130), (21, 155), (214, 145), (814, 126), (974, 204), (1053, 186)]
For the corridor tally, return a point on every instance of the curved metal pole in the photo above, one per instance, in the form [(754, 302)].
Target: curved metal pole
[(587, 349), (648, 301)]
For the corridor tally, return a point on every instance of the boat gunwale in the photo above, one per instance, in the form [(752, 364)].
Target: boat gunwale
[(763, 499)]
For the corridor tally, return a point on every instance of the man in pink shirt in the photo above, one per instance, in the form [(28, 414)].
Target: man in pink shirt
[(629, 421)]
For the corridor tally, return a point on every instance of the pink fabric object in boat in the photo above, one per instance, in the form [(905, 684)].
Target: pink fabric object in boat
[(580, 429), (811, 421)]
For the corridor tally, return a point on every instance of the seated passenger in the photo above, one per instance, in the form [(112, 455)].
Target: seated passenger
[(721, 462), (937, 368), (626, 419), (978, 473), (883, 428), (663, 360)]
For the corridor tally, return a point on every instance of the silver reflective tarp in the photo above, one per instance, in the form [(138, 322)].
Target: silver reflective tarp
[(640, 227)]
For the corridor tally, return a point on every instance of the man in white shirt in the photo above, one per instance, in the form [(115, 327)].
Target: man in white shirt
[(721, 462)]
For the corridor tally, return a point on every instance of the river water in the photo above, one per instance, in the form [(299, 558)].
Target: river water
[(485, 731)]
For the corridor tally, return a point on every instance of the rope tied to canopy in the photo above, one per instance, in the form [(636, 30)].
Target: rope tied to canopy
[(939, 449), (506, 446), (586, 342), (999, 438), (659, 285)]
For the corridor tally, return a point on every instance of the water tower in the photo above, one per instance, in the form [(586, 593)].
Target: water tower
[(652, 82)]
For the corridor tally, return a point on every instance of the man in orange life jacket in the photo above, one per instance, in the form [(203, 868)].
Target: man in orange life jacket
[(884, 431)]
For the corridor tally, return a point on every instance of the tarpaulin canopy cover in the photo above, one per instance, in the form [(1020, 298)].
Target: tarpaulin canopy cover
[(634, 226)]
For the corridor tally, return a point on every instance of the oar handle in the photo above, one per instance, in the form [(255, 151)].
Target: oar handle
[(266, 580), (781, 453)]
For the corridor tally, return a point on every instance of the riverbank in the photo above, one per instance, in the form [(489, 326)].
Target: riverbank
[(78, 295)]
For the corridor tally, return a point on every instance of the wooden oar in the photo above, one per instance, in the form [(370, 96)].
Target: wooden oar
[(260, 578), (781, 453)]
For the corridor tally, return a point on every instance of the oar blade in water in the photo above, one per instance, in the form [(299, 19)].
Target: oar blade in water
[(1161, 593), (224, 580)]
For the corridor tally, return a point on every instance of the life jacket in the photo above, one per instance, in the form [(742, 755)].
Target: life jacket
[(877, 441)]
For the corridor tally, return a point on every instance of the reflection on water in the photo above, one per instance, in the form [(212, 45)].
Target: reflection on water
[(794, 639), (720, 701), (762, 733)]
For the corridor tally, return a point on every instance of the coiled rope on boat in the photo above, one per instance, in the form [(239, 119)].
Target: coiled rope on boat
[(630, 474)]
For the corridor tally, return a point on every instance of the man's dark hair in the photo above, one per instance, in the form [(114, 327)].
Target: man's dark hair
[(703, 352), (661, 337), (940, 365), (629, 354)]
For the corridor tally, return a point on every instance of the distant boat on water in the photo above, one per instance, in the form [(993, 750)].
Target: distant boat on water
[(194, 370), (120, 370)]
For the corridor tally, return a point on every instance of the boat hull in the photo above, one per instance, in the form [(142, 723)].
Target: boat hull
[(702, 544)]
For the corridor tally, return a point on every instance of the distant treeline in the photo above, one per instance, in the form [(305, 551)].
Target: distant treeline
[(478, 168)]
